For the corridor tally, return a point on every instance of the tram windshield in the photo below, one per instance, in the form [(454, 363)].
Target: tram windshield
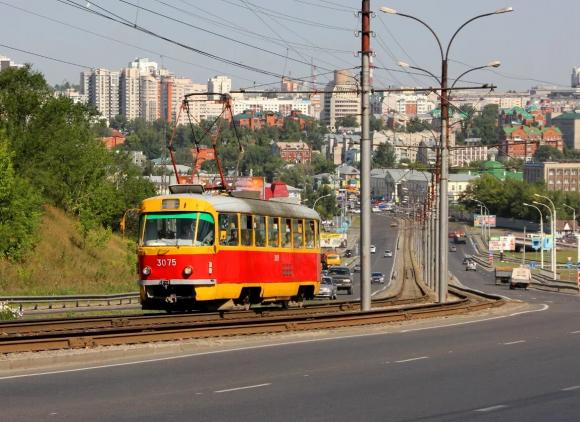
[(178, 229)]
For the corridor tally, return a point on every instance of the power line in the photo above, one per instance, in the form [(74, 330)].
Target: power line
[(46, 57), (339, 9), (106, 37), (172, 41), (213, 33)]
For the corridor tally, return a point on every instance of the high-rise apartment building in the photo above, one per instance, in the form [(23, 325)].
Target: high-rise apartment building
[(219, 85), (173, 90), (129, 93), (341, 99), (104, 92), (150, 97)]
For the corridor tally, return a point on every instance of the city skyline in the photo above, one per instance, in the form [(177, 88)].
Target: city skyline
[(295, 34)]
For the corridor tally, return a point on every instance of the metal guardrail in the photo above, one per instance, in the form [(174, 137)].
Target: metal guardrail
[(39, 304)]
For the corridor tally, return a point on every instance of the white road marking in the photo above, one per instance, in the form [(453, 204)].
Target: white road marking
[(574, 387), (247, 387), (412, 359), (491, 408), (265, 346), (514, 342), (574, 332)]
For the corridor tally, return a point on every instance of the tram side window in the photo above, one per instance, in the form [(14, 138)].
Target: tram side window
[(298, 231), (260, 230), (273, 231), (309, 238), (228, 229), (246, 229), (287, 235)]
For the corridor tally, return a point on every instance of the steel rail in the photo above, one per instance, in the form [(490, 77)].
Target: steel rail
[(131, 335)]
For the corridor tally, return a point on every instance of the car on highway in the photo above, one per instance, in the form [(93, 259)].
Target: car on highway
[(332, 259), (327, 289), (348, 253), (342, 277), (377, 277), (373, 249), (466, 259), (388, 253), (471, 265), (356, 268), (393, 224), (376, 209), (452, 248)]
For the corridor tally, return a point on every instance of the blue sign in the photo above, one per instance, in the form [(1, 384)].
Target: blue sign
[(536, 244), (578, 265), (533, 264), (548, 243), (569, 265)]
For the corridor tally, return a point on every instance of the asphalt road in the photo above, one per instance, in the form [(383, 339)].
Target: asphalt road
[(384, 237), (496, 367)]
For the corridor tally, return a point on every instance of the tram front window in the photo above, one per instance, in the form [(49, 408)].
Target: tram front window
[(178, 229)]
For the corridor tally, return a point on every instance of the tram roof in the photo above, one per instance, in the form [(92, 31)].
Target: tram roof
[(223, 203)]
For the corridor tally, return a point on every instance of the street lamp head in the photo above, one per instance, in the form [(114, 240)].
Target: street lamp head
[(504, 10), (403, 64), (526, 204), (495, 63), (388, 10), (539, 196)]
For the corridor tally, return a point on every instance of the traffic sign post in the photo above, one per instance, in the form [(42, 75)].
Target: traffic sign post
[(490, 259)]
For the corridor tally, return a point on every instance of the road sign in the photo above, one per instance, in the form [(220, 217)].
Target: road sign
[(533, 265), (578, 265), (569, 265)]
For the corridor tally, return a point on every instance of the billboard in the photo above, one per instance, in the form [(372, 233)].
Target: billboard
[(502, 243), (332, 240), (487, 220)]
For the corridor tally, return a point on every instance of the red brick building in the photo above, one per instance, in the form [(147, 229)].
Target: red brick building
[(522, 141), (293, 152), (257, 119), (114, 140)]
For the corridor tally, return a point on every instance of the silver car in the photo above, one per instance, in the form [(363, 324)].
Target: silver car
[(328, 288), (377, 278)]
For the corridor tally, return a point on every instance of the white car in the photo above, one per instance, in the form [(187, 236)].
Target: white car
[(388, 254), (376, 209), (373, 249)]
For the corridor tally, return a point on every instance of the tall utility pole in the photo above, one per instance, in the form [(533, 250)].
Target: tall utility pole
[(365, 161), (443, 200)]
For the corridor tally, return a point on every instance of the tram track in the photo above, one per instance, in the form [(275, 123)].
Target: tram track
[(39, 335)]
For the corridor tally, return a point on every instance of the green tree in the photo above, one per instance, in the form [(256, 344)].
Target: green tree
[(384, 156), (485, 126), (548, 153), (416, 125), (347, 121)]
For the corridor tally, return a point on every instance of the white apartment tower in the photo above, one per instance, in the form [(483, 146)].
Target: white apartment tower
[(104, 92), (219, 85), (149, 97), (129, 93), (341, 99), (576, 77)]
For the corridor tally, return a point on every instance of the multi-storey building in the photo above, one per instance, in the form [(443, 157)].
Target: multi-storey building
[(173, 91), (341, 99), (560, 176), (523, 141), (150, 97), (463, 155), (6, 63), (284, 106), (293, 152), (104, 92), (569, 125), (129, 91), (219, 85)]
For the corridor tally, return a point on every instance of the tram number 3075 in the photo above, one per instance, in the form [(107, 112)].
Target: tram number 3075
[(169, 262)]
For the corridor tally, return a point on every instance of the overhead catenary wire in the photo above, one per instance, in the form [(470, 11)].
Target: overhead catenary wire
[(106, 37), (173, 41), (44, 56)]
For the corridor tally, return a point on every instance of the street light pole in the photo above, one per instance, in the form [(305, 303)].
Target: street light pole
[(318, 199), (554, 224), (541, 235), (552, 262), (443, 212)]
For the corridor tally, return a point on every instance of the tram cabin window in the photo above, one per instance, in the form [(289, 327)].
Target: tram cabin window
[(273, 232), (228, 224), (260, 230), (309, 235), (246, 229), (287, 235), (297, 231), (204, 235)]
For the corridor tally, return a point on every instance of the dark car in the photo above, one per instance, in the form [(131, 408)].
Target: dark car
[(348, 253), (377, 278), (356, 268), (342, 277)]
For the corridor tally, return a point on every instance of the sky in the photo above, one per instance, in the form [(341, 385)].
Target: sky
[(537, 43)]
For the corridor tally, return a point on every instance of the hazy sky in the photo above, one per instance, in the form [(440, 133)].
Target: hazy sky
[(537, 43)]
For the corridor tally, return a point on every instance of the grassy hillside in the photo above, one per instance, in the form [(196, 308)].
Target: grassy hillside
[(60, 265)]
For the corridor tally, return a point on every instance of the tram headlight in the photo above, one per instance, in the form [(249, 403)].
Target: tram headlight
[(187, 270), (146, 270)]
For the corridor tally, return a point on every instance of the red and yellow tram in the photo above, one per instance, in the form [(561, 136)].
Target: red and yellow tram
[(201, 251)]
